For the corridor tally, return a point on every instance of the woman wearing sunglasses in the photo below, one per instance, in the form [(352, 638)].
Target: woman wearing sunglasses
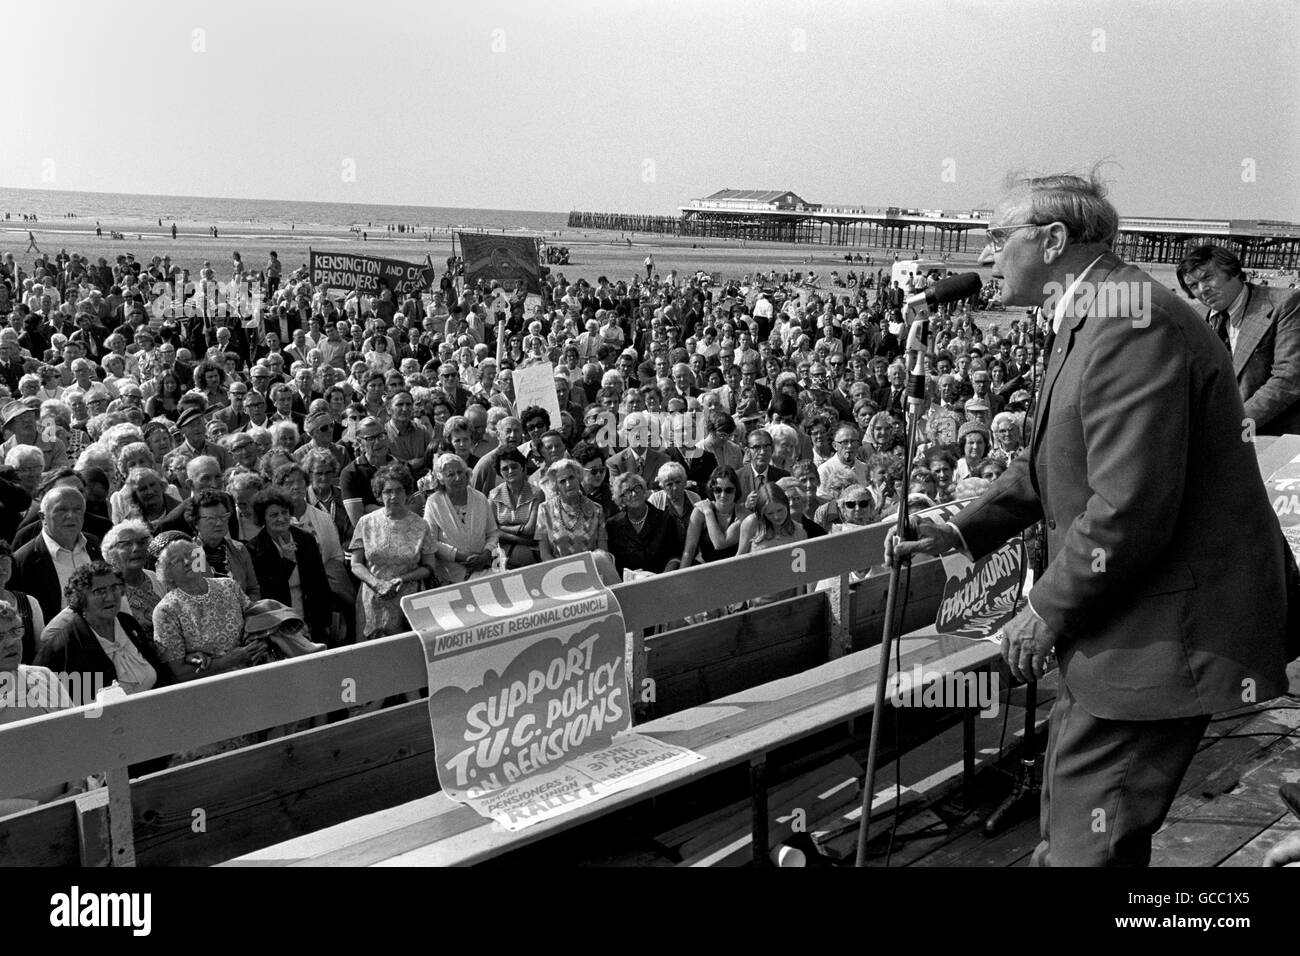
[(714, 531)]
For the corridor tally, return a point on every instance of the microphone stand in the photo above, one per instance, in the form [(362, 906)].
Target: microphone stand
[(915, 400)]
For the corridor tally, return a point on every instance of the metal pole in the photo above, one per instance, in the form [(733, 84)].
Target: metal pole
[(915, 399), (896, 565)]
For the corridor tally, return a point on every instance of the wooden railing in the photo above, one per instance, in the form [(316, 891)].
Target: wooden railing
[(71, 744)]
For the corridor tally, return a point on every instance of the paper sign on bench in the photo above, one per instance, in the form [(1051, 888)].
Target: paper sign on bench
[(528, 693)]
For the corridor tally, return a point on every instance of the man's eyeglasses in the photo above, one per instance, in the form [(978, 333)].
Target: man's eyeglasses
[(998, 235)]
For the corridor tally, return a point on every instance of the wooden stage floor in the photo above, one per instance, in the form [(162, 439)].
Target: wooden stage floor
[(1228, 812)]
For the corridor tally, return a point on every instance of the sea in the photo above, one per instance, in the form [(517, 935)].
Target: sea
[(53, 206)]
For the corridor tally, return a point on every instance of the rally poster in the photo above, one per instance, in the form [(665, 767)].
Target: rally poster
[(1284, 494), (366, 274), (980, 597), (502, 259), (529, 693)]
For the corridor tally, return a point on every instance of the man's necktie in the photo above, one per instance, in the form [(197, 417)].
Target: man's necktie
[(1221, 328)]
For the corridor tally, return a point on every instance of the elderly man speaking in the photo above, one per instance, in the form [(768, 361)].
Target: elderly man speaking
[(1163, 598)]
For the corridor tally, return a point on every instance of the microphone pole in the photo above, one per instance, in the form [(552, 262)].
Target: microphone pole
[(915, 401)]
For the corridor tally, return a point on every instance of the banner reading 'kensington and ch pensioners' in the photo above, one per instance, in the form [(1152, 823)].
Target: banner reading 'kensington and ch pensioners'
[(528, 693), (367, 274)]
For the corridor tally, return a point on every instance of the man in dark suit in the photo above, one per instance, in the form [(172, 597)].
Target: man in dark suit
[(43, 565), (1138, 432), (449, 381), (1261, 327), (758, 470), (638, 458)]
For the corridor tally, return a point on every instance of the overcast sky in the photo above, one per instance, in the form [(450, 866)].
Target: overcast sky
[(642, 105)]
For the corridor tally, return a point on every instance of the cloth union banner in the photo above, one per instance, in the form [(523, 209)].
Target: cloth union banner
[(503, 259)]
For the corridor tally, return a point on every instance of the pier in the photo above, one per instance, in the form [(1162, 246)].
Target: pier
[(782, 216)]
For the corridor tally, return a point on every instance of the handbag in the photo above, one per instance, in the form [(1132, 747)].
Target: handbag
[(292, 644)]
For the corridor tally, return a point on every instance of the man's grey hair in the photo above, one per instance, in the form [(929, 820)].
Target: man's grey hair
[(51, 497), (192, 469), (281, 428), (19, 455), (1077, 201)]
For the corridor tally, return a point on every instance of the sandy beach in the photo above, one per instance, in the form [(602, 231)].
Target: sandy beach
[(593, 253)]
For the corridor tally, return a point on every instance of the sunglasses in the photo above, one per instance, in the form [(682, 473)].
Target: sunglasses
[(856, 504), (723, 489)]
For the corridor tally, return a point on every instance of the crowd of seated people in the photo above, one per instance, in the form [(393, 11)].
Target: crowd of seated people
[(163, 480)]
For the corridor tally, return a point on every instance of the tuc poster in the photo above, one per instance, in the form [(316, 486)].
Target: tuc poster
[(529, 694)]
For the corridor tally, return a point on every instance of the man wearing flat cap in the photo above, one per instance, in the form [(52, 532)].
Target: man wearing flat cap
[(19, 421), (193, 426)]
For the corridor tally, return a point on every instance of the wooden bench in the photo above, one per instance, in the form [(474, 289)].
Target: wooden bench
[(67, 745), (742, 728)]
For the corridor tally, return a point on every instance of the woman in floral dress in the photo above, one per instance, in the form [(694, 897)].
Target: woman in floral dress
[(394, 553)]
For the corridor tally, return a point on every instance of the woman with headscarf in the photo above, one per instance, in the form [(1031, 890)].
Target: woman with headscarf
[(973, 440)]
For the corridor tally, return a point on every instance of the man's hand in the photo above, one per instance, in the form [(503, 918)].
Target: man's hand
[(931, 538), (1027, 644), (1285, 853)]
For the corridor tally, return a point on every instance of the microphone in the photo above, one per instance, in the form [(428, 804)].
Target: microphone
[(951, 289)]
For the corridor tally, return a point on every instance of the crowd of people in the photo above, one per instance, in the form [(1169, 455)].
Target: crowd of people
[(169, 477)]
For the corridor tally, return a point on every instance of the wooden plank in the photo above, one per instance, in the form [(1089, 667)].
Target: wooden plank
[(920, 599), (727, 732), (42, 836), (690, 689), (813, 795), (93, 828), (1216, 829), (1252, 854), (284, 788), (721, 640), (1213, 834), (674, 838), (121, 819), (706, 587)]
